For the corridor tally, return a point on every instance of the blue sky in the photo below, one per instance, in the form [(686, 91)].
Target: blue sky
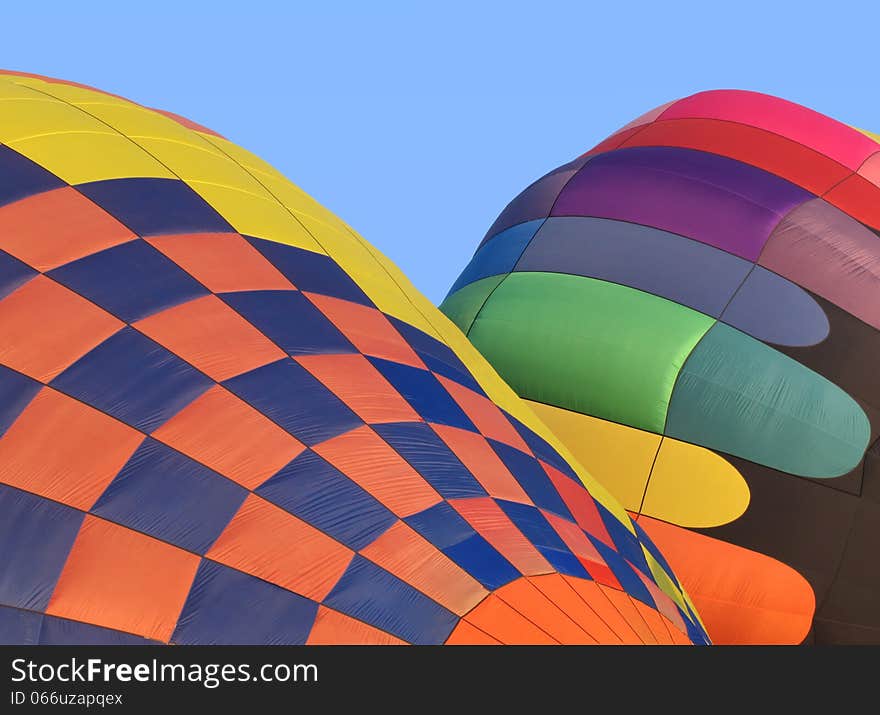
[(417, 122)]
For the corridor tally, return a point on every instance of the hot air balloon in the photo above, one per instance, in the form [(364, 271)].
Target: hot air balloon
[(693, 306), (227, 419)]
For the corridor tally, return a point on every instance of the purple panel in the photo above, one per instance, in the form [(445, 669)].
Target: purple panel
[(710, 198), (775, 310), (536, 200), (831, 254)]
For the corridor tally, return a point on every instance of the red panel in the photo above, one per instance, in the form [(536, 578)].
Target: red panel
[(64, 450), (57, 227), (119, 578), (210, 335), (46, 328), (367, 328), (370, 462), (223, 262), (269, 543), (226, 434), (859, 198), (354, 380), (580, 504)]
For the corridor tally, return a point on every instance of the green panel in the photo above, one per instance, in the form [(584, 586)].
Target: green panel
[(462, 306), (737, 395), (588, 345)]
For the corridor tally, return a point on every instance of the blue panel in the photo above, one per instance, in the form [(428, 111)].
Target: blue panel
[(624, 573), (36, 536), (499, 255), (626, 542), (18, 627), (16, 392), (373, 595), (133, 379), (655, 552), (13, 273), (542, 449), (131, 281), (290, 320), (438, 356), (61, 631), (153, 207), (310, 271), (287, 393), (538, 530), (228, 607), (449, 532), (695, 632), (162, 493), (532, 478), (419, 445), (318, 493), (426, 395), (20, 177)]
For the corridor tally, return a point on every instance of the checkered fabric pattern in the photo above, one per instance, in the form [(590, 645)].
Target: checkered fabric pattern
[(210, 432)]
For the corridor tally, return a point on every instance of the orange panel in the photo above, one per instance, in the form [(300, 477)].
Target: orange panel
[(487, 518), (210, 335), (485, 415), (119, 578), (223, 262), (369, 461), (64, 450), (467, 634), (596, 598), (401, 551), (228, 435), (269, 543), (354, 380), (334, 628), (367, 329), (475, 453), (625, 606), (743, 597), (57, 227), (524, 597), (495, 618), (558, 590), (46, 328), (655, 622)]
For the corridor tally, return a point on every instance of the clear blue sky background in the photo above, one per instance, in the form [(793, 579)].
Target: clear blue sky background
[(417, 122)]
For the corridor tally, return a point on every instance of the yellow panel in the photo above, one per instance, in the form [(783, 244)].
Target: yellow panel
[(10, 89), (298, 200), (618, 456), (242, 156), (256, 216), (191, 163), (23, 118), (694, 487), (136, 121), (875, 137), (69, 92), (664, 581), (78, 158)]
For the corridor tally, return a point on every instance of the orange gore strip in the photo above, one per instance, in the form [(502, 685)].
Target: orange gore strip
[(354, 380), (334, 628), (269, 543), (624, 603), (485, 415), (475, 453), (57, 227), (548, 616), (367, 328), (223, 262), (122, 579), (46, 328), (369, 461), (486, 517), (466, 634), (595, 597), (65, 450), (401, 551), (495, 617), (655, 621), (209, 334), (556, 589), (228, 435)]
